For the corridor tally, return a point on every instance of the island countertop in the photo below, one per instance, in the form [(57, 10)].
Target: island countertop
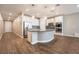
[(38, 30)]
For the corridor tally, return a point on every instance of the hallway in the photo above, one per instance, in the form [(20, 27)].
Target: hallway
[(12, 44)]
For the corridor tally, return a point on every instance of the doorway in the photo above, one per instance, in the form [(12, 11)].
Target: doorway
[(8, 26)]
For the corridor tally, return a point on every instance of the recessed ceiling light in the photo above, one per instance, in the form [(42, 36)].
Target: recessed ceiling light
[(27, 9), (78, 5), (10, 14), (33, 17), (37, 14), (53, 8), (9, 17), (45, 17)]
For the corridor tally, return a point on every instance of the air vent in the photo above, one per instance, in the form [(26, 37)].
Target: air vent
[(54, 8), (33, 4), (45, 6), (57, 4)]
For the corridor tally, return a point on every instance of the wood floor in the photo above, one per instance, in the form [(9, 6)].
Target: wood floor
[(12, 44)]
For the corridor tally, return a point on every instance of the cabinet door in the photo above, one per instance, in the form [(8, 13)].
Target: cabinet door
[(30, 37)]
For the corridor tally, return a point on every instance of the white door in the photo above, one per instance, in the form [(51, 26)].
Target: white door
[(8, 26)]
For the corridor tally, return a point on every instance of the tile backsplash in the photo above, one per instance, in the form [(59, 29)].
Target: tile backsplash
[(35, 27)]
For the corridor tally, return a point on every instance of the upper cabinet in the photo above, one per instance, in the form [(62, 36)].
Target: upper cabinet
[(33, 22), (54, 20), (59, 19), (50, 21)]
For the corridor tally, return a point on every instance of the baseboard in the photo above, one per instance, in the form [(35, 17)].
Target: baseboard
[(19, 35), (34, 42), (58, 34), (1, 36), (70, 36)]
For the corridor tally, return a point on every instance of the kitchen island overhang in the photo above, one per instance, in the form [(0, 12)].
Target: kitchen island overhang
[(40, 36)]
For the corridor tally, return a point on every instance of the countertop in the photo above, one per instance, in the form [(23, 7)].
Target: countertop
[(38, 30)]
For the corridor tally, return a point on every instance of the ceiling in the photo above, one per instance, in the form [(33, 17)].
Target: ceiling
[(38, 10)]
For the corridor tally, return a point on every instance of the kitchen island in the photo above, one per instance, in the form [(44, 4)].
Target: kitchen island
[(41, 36)]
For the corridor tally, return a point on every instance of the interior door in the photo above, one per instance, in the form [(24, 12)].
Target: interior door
[(8, 26)]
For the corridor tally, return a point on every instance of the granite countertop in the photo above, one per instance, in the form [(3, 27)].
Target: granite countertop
[(38, 30)]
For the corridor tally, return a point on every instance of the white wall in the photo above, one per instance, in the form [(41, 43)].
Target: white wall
[(8, 26), (17, 26), (1, 26), (71, 25)]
